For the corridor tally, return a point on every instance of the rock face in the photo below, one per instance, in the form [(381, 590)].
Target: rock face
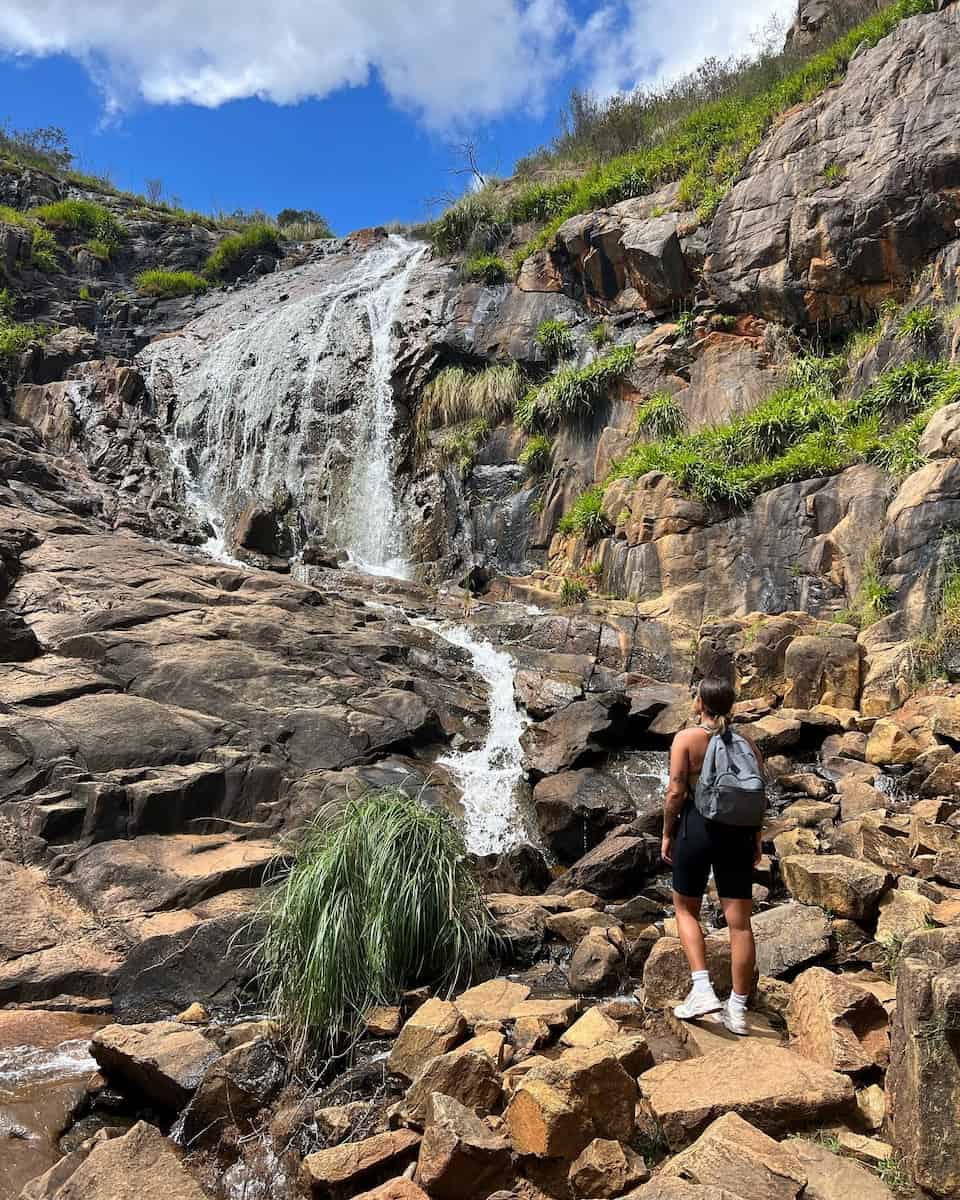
[(337, 1171), (795, 241), (923, 1083)]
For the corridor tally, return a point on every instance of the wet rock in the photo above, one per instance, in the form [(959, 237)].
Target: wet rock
[(598, 962), (574, 925), (606, 1169), (731, 1153), (434, 1028), (520, 871), (576, 809), (460, 1157), (164, 1062), (561, 741), (837, 1024), (558, 1108), (840, 885), (923, 1081), (233, 1090), (338, 1171), (771, 1087), (612, 869)]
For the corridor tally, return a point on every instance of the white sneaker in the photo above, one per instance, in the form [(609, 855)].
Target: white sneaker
[(735, 1019), (698, 1004)]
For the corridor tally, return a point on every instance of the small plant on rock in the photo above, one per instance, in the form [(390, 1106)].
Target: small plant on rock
[(485, 268), (587, 517), (82, 216), (661, 417), (572, 591), (43, 250), (920, 324), (686, 323), (257, 238), (536, 454), (834, 173), (554, 339), (168, 284), (600, 334)]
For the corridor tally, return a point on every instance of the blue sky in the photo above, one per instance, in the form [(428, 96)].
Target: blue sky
[(351, 107)]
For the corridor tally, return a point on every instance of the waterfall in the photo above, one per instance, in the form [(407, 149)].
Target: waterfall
[(489, 777), (281, 396)]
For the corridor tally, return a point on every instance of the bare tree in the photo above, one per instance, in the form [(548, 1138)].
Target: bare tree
[(154, 190), (471, 163)]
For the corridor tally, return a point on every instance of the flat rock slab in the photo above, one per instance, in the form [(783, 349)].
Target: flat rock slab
[(846, 886), (163, 1062), (769, 1086), (832, 1177), (335, 1172), (709, 1033), (732, 1153)]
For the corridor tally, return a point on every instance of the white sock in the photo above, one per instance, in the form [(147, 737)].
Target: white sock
[(738, 1001), (701, 982)]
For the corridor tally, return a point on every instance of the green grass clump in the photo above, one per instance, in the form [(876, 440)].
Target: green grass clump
[(232, 249), (600, 334), (84, 292), (708, 148), (573, 392), (485, 268), (44, 250), (461, 447), (572, 591), (874, 599), (166, 284), (554, 339), (100, 249), (15, 336), (587, 517), (660, 417), (686, 323), (834, 173), (13, 216), (379, 898), (920, 324), (82, 216), (458, 394), (475, 224), (536, 454)]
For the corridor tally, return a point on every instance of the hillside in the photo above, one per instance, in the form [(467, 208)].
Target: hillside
[(448, 523)]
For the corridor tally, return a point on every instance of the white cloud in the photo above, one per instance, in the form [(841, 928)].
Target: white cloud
[(451, 62)]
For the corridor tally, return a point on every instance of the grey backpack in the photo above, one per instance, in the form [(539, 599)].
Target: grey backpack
[(731, 790)]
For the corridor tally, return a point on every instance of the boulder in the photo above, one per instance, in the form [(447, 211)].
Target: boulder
[(339, 1170), (833, 1177), (903, 913), (666, 974), (732, 1154), (163, 1063), (563, 740), (395, 1189), (890, 745), (592, 1028), (494, 1000), (822, 670), (468, 1074), (837, 1024), (576, 809), (790, 936), (606, 1169), (434, 1028), (923, 1081), (598, 963), (233, 1090), (773, 1088), (858, 797), (460, 1157), (559, 1107), (613, 869), (141, 1165), (571, 927), (840, 885)]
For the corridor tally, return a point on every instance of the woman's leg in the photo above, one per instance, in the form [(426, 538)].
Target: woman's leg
[(687, 910), (743, 950)]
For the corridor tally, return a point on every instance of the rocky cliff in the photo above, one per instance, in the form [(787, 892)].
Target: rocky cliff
[(237, 530)]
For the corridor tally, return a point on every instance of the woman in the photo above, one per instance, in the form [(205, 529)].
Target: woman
[(692, 845)]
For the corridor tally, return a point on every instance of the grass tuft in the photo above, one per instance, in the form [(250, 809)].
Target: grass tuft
[(229, 252), (457, 395), (166, 284), (573, 392), (586, 517), (920, 324), (554, 339), (572, 591), (660, 417), (536, 454), (15, 336), (379, 898), (82, 216), (485, 268)]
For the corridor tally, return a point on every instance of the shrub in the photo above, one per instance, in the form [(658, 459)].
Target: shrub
[(44, 250), (303, 225), (660, 417), (229, 252), (554, 339), (536, 454), (458, 394), (484, 268), (920, 324), (686, 323), (574, 391), (475, 223), (587, 517), (572, 591), (167, 284), (15, 336), (82, 216), (379, 898), (99, 249)]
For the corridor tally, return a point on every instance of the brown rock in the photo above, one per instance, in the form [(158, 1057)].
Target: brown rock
[(832, 1177), (598, 963), (857, 798), (338, 1171), (789, 936), (813, 786), (666, 975), (822, 670), (731, 1153), (593, 1027), (572, 927), (809, 814), (383, 1022), (434, 1028), (838, 884), (796, 841), (889, 745), (868, 1150), (771, 1087), (558, 1108), (613, 869), (606, 1170), (164, 1062), (460, 1158), (469, 1075), (492, 1001), (902, 913), (234, 1089), (396, 1189), (837, 1024)]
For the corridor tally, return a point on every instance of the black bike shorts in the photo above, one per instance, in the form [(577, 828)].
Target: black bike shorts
[(701, 844)]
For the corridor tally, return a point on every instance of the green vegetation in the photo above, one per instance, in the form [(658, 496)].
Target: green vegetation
[(472, 224), (554, 339), (82, 216), (460, 447), (485, 268), (930, 652), (895, 1176), (303, 225), (874, 598), (457, 394), (536, 454), (572, 591), (15, 336), (801, 432), (594, 571), (100, 249), (13, 216), (586, 517), (573, 392), (686, 323), (920, 324), (379, 898), (660, 417), (170, 283), (834, 173), (85, 292), (891, 948), (864, 340), (256, 238), (44, 249), (601, 335)]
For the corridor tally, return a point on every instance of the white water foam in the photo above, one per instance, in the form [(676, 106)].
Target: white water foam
[(20, 1065)]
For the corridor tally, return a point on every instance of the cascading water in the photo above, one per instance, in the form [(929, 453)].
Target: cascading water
[(274, 400)]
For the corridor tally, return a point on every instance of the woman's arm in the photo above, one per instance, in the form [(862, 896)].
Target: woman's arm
[(676, 794)]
